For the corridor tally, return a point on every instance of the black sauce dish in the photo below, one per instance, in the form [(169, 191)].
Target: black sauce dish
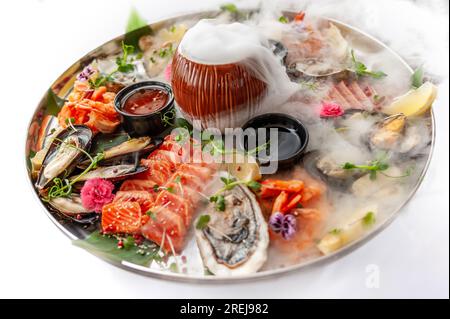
[(151, 124), (293, 138)]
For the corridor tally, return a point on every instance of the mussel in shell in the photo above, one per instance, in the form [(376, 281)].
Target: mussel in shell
[(388, 132), (126, 152), (64, 153), (113, 173), (235, 240), (69, 205), (394, 134), (325, 168)]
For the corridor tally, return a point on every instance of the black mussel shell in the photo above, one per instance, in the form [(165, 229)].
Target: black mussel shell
[(84, 134)]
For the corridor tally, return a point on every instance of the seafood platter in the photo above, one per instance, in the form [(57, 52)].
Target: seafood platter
[(331, 132)]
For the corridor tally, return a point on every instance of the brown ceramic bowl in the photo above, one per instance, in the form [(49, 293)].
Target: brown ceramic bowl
[(218, 95)]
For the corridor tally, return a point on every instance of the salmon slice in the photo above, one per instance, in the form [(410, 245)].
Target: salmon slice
[(187, 192), (138, 185), (169, 156), (158, 177), (165, 221), (161, 165), (176, 204), (121, 217), (203, 172), (192, 181), (143, 198)]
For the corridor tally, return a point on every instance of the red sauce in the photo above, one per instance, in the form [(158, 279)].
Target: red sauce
[(146, 101)]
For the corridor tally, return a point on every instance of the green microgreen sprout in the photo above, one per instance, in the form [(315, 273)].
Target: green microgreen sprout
[(361, 69), (62, 187), (202, 222), (124, 64)]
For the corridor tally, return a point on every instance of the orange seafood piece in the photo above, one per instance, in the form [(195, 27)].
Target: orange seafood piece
[(137, 185), (143, 198), (163, 224), (176, 204), (121, 217), (92, 108)]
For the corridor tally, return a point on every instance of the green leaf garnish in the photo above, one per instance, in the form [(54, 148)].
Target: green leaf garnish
[(151, 214), (124, 64), (220, 202), (202, 222), (174, 267), (128, 242), (417, 78), (106, 246), (254, 185), (54, 103), (335, 231), (369, 219), (283, 19), (230, 7), (135, 21), (361, 70), (62, 187)]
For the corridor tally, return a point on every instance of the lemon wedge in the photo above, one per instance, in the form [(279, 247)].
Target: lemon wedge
[(243, 167), (415, 102)]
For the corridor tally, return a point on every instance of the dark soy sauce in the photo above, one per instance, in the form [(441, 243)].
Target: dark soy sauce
[(288, 143)]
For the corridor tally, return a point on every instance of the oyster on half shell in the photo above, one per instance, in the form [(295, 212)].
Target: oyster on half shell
[(235, 241)]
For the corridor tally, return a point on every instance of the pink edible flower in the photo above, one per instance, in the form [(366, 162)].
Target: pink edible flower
[(331, 110), (96, 193), (168, 72)]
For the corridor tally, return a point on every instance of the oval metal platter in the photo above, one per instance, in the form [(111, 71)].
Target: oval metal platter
[(42, 121)]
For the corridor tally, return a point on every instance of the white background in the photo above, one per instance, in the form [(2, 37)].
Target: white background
[(40, 39)]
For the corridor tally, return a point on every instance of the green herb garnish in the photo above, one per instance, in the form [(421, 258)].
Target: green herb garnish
[(168, 117), (128, 242), (230, 7), (124, 65), (151, 214), (309, 85), (374, 167), (254, 186), (283, 19), (369, 219), (220, 202), (166, 51), (417, 78), (63, 187), (335, 231), (174, 267), (229, 184), (361, 70), (202, 222), (123, 62)]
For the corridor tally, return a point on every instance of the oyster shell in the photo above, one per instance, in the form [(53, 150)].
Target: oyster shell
[(235, 241), (325, 168)]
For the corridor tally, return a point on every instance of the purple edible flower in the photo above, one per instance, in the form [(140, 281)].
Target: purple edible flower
[(85, 74), (284, 224), (276, 221)]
